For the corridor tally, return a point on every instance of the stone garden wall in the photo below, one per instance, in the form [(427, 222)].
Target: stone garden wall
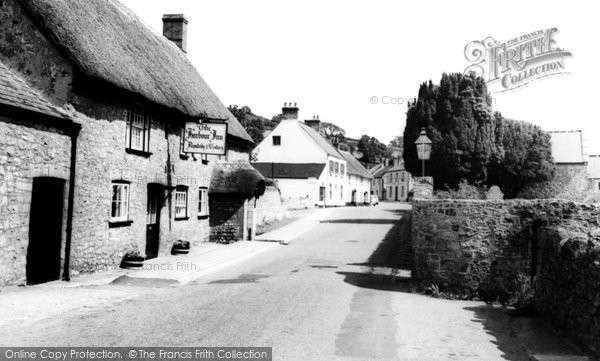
[(269, 206), (466, 245)]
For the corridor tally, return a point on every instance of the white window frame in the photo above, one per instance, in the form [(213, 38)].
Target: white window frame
[(181, 195), (123, 202), (138, 119), (203, 202)]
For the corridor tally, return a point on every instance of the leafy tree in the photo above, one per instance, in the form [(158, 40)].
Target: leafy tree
[(371, 149), (470, 141), (397, 142), (254, 124), (527, 156), (333, 133), (458, 118)]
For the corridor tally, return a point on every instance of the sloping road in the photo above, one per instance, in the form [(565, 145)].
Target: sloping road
[(332, 294)]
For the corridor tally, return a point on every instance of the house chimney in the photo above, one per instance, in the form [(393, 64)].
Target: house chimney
[(314, 123), (175, 29), (290, 111)]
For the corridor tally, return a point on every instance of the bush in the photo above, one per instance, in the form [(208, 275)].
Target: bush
[(515, 291), (464, 191)]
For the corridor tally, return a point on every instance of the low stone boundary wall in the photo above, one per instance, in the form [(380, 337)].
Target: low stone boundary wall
[(269, 207), (467, 244)]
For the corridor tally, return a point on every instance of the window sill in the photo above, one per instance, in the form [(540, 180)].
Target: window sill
[(116, 224), (205, 216), (142, 153), (182, 218)]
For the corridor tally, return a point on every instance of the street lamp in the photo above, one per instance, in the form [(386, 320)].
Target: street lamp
[(423, 148)]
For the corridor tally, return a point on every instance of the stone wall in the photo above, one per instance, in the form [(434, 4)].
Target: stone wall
[(422, 188), (567, 284), (269, 207), (570, 182), (463, 242), (29, 150), (466, 245)]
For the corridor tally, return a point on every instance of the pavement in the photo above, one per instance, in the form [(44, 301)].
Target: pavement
[(334, 293)]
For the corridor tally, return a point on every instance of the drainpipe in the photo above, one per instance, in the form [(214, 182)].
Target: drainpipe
[(76, 128)]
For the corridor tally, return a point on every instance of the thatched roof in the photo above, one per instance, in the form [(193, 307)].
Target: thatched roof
[(14, 92), (236, 178), (106, 40)]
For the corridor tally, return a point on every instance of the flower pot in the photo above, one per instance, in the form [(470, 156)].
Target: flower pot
[(132, 263), (180, 249)]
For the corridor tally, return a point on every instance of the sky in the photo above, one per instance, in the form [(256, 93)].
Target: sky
[(334, 57)]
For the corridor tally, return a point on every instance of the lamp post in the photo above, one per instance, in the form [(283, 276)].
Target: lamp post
[(423, 148)]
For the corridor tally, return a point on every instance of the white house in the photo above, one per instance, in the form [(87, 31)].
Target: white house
[(397, 182), (359, 180), (305, 166)]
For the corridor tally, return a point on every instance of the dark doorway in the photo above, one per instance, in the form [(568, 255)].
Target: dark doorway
[(155, 198), (45, 230), (396, 193)]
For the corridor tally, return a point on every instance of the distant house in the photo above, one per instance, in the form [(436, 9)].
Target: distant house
[(397, 182), (391, 182), (594, 171), (571, 161), (359, 180), (131, 186), (378, 187), (305, 166)]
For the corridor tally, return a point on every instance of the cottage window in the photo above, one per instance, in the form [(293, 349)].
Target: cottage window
[(341, 192), (276, 140), (119, 211), (330, 191), (138, 129), (321, 194), (402, 176), (203, 202), (337, 168), (342, 169), (330, 167), (181, 196)]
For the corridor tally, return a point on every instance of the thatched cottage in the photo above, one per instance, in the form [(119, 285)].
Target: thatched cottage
[(131, 91)]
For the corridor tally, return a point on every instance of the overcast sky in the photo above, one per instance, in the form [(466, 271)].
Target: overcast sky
[(331, 57)]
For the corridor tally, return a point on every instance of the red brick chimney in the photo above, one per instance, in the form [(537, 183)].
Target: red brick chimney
[(290, 111), (175, 29)]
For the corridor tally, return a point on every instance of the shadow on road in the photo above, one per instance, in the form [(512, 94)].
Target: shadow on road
[(391, 255), (382, 282), (521, 337)]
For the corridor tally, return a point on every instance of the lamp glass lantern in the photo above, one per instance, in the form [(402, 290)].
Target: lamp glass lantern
[(423, 148)]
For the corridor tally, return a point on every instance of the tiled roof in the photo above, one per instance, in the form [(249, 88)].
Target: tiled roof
[(354, 166), (567, 146), (16, 93), (396, 168), (321, 141), (381, 172), (290, 170)]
